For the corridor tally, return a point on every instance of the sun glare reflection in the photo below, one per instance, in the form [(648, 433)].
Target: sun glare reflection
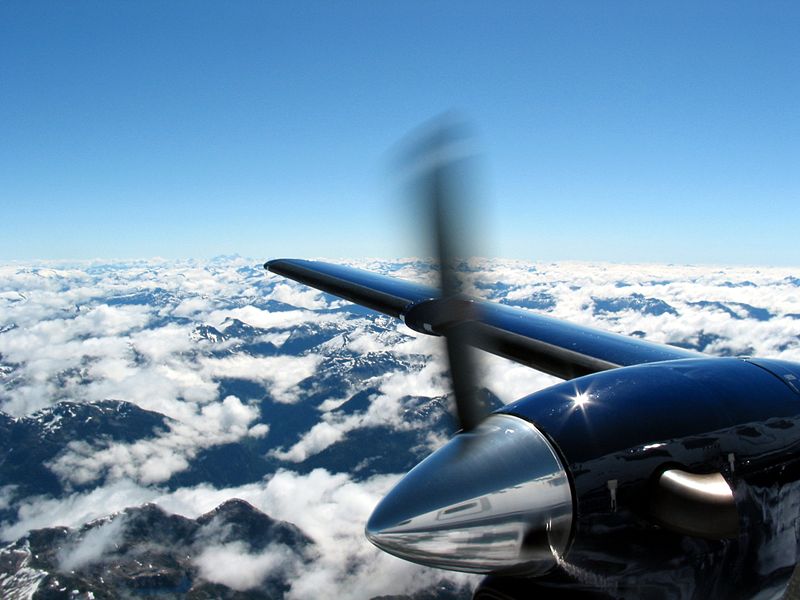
[(581, 399)]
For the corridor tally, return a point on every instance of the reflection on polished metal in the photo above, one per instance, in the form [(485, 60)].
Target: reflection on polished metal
[(493, 499), (699, 505)]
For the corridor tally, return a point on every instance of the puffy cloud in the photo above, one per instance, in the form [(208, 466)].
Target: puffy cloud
[(258, 431), (321, 436), (92, 546), (155, 460), (299, 296), (45, 353), (263, 319), (170, 388), (194, 306), (160, 345), (511, 381), (234, 566), (280, 373)]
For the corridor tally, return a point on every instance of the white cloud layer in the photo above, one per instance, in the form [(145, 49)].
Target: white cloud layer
[(134, 332)]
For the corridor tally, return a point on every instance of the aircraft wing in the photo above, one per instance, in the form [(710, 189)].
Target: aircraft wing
[(550, 345)]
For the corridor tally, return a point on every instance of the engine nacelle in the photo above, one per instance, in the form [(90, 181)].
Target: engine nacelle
[(617, 481)]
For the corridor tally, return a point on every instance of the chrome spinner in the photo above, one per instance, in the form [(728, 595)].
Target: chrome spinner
[(493, 499)]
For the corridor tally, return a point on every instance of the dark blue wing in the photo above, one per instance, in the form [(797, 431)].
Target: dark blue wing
[(378, 292), (544, 343)]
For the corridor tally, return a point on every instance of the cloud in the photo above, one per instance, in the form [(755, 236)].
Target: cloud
[(162, 344), (194, 306), (321, 436), (73, 510), (299, 296), (510, 381), (264, 319), (331, 509), (386, 409), (92, 546), (234, 566), (6, 495), (155, 460), (45, 352), (280, 373)]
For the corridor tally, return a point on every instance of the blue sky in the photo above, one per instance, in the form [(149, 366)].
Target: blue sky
[(665, 132)]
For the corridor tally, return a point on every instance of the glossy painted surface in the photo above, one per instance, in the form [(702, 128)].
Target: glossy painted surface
[(786, 371), (495, 498), (378, 292), (616, 430), (612, 348)]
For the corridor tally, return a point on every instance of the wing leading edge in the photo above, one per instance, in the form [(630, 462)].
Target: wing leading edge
[(557, 347)]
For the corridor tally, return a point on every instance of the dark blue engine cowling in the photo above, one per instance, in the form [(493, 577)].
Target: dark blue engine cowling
[(617, 429)]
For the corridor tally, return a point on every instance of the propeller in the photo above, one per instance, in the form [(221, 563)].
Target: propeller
[(495, 497), (440, 160)]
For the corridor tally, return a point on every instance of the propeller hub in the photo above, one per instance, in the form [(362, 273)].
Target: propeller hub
[(495, 499)]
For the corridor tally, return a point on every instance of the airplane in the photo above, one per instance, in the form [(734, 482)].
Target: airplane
[(651, 471)]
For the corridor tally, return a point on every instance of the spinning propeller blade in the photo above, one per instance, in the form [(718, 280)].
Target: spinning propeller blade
[(439, 160)]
